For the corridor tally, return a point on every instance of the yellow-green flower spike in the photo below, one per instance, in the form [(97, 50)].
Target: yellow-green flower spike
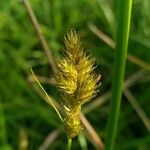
[(76, 81)]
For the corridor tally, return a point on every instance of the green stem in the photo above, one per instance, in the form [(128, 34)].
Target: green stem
[(69, 144), (122, 35), (82, 141)]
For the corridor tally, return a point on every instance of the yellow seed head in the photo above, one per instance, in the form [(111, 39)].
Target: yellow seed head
[(76, 81)]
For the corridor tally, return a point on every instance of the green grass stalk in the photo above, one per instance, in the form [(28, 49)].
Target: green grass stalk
[(122, 35), (82, 141), (69, 144)]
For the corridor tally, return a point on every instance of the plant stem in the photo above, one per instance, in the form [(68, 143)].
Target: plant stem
[(82, 141), (69, 144), (122, 35), (40, 35)]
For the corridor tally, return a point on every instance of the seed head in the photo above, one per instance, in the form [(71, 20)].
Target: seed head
[(76, 81)]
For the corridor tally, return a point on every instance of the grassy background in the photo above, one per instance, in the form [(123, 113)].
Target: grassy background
[(23, 113)]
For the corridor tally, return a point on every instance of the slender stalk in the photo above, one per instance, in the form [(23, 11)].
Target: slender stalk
[(40, 35), (124, 14), (49, 99), (106, 39), (91, 134), (69, 144), (137, 107), (82, 141)]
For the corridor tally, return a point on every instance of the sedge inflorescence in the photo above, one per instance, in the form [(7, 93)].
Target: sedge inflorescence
[(76, 81)]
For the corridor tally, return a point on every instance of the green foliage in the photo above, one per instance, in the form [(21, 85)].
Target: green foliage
[(122, 38), (21, 107)]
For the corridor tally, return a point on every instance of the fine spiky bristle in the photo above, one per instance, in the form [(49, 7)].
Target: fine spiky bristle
[(76, 81)]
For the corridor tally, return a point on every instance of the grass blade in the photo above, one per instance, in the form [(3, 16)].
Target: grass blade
[(49, 99), (124, 14)]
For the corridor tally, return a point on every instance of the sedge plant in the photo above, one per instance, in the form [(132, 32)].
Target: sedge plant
[(77, 82)]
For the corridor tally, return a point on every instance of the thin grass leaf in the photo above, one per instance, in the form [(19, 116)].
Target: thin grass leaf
[(49, 100)]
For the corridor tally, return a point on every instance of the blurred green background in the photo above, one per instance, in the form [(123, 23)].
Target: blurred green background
[(25, 119)]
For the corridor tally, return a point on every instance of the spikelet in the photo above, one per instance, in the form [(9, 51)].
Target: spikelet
[(76, 81)]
